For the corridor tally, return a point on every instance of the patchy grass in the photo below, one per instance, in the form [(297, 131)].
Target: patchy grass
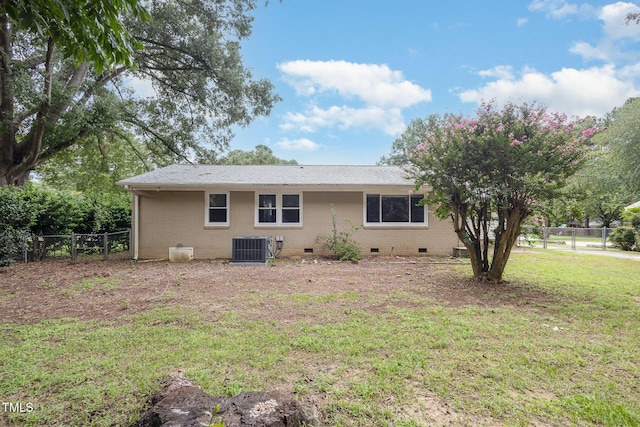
[(557, 345)]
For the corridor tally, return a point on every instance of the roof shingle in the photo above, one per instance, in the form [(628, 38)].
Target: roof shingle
[(274, 175)]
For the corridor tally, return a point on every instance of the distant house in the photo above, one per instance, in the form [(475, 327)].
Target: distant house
[(633, 205), (207, 209)]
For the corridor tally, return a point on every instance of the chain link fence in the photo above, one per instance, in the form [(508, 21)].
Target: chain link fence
[(103, 246), (568, 238)]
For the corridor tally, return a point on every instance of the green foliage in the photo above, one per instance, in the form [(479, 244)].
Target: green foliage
[(61, 90), (212, 91), (632, 216), (599, 188), (97, 162), (404, 146), (15, 217), (85, 31), (261, 155), (495, 170), (211, 414), (624, 237), (622, 137), (107, 212), (54, 212), (341, 243)]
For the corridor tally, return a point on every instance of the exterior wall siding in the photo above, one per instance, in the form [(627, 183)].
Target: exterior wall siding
[(177, 218)]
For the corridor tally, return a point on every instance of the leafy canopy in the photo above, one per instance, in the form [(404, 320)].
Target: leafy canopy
[(622, 139), (83, 30), (64, 80), (490, 172)]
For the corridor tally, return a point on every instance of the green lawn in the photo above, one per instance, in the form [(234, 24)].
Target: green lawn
[(570, 356)]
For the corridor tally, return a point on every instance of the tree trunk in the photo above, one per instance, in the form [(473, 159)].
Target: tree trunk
[(18, 181), (504, 244), (473, 233), (476, 239)]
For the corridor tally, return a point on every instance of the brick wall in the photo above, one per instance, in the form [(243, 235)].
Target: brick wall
[(171, 218)]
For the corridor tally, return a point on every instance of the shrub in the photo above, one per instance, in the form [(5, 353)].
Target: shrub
[(55, 212), (624, 237), (341, 243), (633, 216), (15, 217)]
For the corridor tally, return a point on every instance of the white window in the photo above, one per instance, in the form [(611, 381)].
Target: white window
[(279, 209), (394, 210), (217, 209)]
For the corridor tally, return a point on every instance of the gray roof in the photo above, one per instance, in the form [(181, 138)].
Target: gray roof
[(269, 175)]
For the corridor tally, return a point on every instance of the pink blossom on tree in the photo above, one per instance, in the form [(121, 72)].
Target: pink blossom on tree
[(489, 173)]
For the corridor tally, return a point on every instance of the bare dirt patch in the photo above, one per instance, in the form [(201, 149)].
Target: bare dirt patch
[(107, 290)]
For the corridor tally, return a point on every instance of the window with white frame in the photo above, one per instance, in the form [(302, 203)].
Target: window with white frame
[(279, 209), (393, 209), (217, 209)]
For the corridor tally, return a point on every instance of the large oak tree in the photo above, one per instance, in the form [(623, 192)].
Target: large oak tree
[(62, 81)]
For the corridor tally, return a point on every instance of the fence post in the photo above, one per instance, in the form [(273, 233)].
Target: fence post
[(106, 246), (25, 250), (573, 238), (544, 236), (604, 238), (74, 254)]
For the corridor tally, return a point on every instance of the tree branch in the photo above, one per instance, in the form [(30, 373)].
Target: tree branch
[(103, 80), (165, 142), (176, 49), (29, 150)]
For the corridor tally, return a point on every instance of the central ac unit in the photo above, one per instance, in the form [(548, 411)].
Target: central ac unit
[(251, 249)]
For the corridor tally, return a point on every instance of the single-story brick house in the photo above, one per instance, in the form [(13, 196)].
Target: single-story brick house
[(204, 208)]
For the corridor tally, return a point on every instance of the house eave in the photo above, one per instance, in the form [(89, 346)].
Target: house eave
[(253, 187)]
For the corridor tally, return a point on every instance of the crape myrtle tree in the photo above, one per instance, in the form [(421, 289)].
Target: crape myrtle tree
[(489, 173), (68, 69)]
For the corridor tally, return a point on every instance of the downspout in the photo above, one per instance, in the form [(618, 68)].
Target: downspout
[(136, 225)]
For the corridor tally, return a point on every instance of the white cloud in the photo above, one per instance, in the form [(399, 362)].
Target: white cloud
[(373, 96), (301, 144), (557, 9), (501, 72), (591, 91), (521, 22), (372, 83), (562, 9), (614, 15), (615, 30), (388, 120), (588, 52)]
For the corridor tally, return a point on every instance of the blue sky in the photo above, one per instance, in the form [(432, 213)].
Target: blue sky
[(353, 73)]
